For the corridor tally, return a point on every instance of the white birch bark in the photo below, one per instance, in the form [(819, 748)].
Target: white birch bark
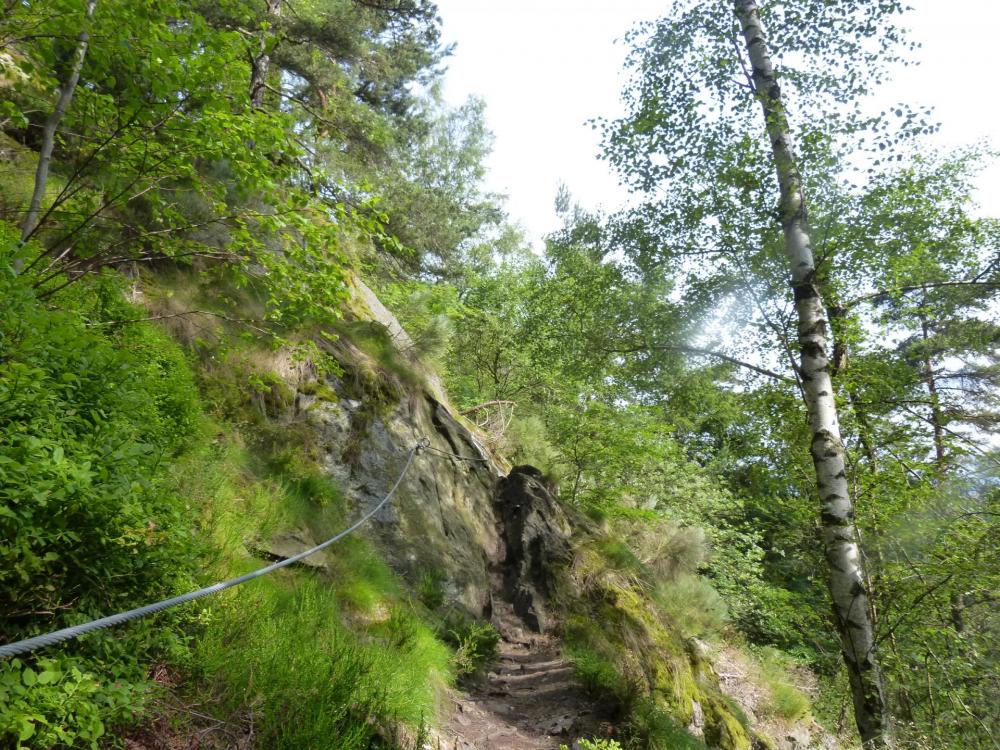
[(851, 608), (66, 90)]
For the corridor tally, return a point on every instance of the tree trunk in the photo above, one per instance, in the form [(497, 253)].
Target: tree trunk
[(851, 609), (261, 65), (30, 223), (937, 418)]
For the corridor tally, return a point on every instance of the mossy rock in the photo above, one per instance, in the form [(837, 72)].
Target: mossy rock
[(672, 674), (722, 728), (673, 687), (761, 741), (320, 389)]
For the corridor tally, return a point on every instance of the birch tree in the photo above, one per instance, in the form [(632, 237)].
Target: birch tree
[(693, 143), (67, 88), (852, 611)]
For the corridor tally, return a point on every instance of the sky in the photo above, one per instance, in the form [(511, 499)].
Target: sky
[(545, 67)]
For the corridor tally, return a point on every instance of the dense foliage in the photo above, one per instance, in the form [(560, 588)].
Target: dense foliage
[(228, 162), (259, 152), (91, 415)]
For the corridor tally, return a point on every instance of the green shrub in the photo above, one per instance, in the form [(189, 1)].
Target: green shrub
[(87, 417), (791, 621), (91, 415), (598, 674), (595, 745), (786, 701), (430, 589), (658, 730), (527, 441), (593, 665), (692, 603), (475, 642), (666, 549), (619, 556), (56, 703)]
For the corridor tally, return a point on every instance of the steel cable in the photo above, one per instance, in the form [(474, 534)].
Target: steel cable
[(58, 636), (470, 459)]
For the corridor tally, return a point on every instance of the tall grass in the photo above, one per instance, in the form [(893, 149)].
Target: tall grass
[(316, 659), (785, 700), (695, 607), (283, 652)]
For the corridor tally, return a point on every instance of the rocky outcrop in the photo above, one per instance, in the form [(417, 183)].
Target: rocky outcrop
[(455, 519), (440, 524), (535, 533), (459, 521)]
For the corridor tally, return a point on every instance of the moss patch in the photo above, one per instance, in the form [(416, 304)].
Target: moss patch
[(628, 653)]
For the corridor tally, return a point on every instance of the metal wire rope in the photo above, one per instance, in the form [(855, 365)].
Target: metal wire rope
[(470, 459), (58, 636)]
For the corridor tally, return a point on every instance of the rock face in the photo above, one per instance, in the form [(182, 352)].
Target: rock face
[(440, 523), (455, 519), (536, 533)]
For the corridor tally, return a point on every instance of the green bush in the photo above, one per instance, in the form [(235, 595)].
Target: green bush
[(90, 416), (593, 663), (599, 675), (430, 589), (658, 730), (784, 700), (595, 745), (475, 642), (693, 605), (56, 703), (619, 556), (87, 417)]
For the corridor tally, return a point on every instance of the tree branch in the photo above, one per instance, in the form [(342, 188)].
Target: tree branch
[(884, 295), (702, 352)]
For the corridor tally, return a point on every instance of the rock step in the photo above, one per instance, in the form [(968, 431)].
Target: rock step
[(534, 679), (527, 667), (529, 656)]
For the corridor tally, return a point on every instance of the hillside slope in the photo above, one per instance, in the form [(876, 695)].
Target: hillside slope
[(281, 447), (449, 534)]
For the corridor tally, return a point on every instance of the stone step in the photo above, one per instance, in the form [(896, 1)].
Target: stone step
[(538, 677), (528, 667), (533, 658)]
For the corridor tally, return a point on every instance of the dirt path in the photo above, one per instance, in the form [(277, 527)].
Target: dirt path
[(526, 701)]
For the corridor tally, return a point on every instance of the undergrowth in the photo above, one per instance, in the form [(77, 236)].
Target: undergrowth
[(785, 700), (90, 416), (475, 642), (111, 470), (315, 655)]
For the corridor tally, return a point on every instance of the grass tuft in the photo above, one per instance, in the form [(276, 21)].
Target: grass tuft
[(785, 700), (695, 607)]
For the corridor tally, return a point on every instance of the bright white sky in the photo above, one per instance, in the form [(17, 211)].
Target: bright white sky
[(544, 67)]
